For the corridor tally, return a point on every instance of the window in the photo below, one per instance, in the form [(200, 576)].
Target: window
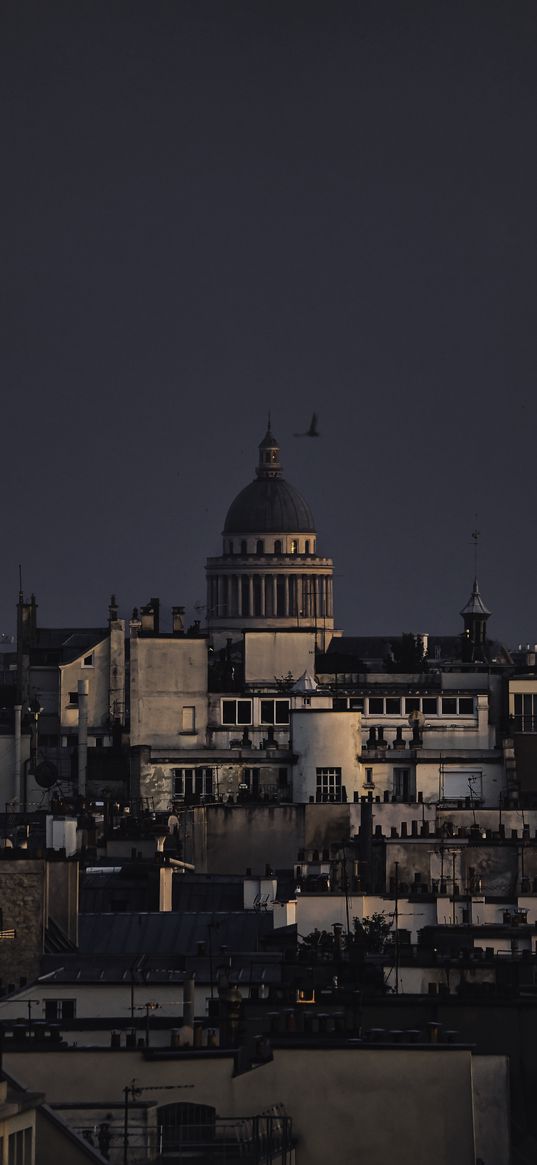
[(339, 703), (307, 546), (356, 703), (283, 778), (260, 546), (88, 661), (412, 704), (293, 546), (188, 719), (525, 712), (457, 705), (369, 776), (306, 701), (20, 1147), (244, 546), (193, 784), (428, 705), (236, 711), (402, 790), (230, 547), (73, 700), (393, 706), (250, 777), (376, 706), (277, 546), (56, 1009), (328, 784), (274, 711)]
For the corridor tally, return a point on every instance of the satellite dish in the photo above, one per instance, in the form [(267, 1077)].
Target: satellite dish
[(416, 719), (46, 774)]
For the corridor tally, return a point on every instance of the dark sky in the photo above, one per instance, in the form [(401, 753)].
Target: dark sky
[(213, 208)]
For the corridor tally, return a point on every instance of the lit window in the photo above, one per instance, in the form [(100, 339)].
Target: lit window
[(293, 546)]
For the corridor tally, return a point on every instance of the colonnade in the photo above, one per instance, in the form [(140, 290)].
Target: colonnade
[(307, 596)]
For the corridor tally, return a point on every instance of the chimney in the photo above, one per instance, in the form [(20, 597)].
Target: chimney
[(165, 889), (178, 626), (112, 609), (151, 617)]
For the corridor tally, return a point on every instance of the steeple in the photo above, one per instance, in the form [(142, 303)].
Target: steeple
[(475, 614), (269, 455)]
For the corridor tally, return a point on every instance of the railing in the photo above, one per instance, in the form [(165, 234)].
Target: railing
[(257, 1140)]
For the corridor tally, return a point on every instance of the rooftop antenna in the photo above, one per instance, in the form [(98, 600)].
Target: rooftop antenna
[(269, 420), (20, 579)]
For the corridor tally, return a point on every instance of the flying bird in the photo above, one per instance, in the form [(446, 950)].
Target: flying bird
[(312, 431)]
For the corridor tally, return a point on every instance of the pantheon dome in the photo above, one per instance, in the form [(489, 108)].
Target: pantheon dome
[(269, 504), (269, 574)]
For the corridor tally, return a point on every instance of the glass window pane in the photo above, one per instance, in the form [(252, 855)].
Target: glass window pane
[(281, 712), (449, 705), (376, 706), (412, 704), (428, 705), (267, 711), (393, 706), (466, 705), (244, 711), (228, 712)]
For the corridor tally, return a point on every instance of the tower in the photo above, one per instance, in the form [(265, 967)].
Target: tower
[(475, 615), (269, 574)]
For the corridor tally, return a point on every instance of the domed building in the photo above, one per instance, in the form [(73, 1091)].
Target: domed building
[(269, 574)]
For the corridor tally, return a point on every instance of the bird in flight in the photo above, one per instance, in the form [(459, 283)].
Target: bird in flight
[(313, 430)]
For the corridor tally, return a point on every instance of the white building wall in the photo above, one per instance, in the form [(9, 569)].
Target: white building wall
[(168, 679), (271, 655), (324, 739)]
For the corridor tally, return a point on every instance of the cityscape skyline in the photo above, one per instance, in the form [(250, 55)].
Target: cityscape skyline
[(210, 213)]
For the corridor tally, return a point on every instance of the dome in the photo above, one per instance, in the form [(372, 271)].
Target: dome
[(269, 505)]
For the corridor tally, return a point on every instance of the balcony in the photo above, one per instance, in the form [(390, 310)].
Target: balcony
[(234, 1140)]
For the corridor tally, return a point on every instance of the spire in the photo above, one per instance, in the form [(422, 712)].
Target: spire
[(269, 455), (475, 614), (475, 604)]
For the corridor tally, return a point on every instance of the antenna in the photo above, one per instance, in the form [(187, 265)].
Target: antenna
[(20, 579), (475, 540)]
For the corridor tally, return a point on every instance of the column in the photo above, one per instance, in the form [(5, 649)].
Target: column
[(286, 593), (262, 594), (275, 594), (299, 604), (250, 595)]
